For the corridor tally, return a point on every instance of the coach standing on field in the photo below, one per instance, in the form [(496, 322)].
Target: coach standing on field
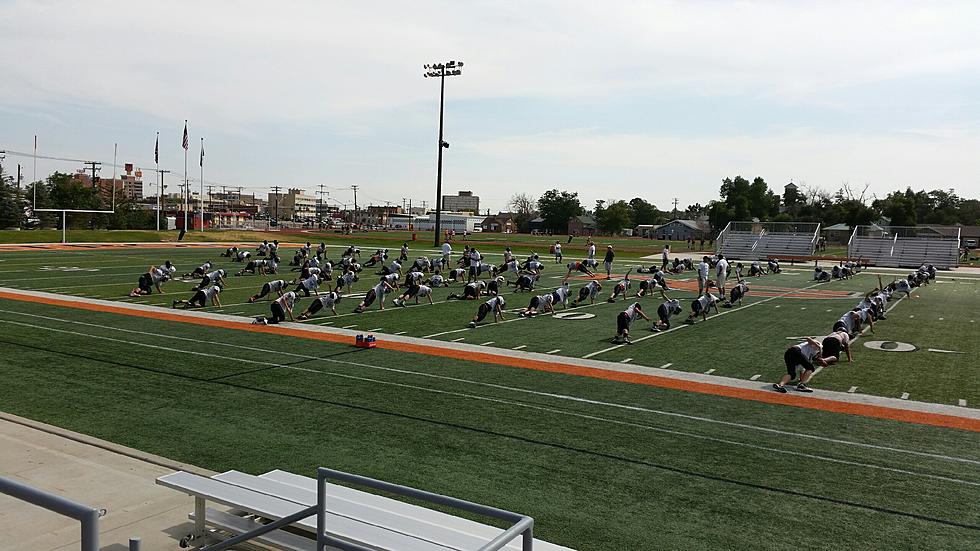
[(609, 260)]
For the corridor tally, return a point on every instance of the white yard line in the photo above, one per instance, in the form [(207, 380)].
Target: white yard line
[(376, 329), (459, 339), (852, 389), (626, 360), (709, 372), (519, 347), (666, 365), (905, 395), (401, 332), (755, 377), (349, 326), (555, 351), (488, 343), (961, 402)]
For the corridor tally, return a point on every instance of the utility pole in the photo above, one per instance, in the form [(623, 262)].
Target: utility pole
[(354, 187), (94, 166), (441, 70), (675, 207), (319, 205), (211, 201), (276, 190), (18, 180), (240, 188)]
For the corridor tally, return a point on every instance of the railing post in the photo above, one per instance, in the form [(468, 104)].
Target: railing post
[(528, 542), (90, 530), (134, 544), (321, 510)]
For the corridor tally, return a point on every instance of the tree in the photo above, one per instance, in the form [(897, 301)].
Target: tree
[(613, 218), (557, 207), (644, 212), (11, 214), (522, 205)]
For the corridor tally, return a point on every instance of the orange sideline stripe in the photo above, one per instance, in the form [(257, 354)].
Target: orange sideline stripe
[(765, 396)]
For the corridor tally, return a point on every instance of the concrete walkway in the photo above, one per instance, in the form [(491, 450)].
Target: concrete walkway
[(92, 472)]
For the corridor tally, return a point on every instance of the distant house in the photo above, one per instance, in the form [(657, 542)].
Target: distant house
[(502, 222), (536, 225), (646, 230), (969, 235), (581, 225), (838, 233), (682, 230)]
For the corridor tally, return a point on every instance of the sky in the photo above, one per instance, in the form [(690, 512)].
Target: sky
[(613, 100)]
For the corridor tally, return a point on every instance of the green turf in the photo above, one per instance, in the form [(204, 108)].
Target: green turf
[(744, 342), (635, 468)]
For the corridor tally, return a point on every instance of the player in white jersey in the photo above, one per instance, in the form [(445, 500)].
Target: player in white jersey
[(704, 268), (200, 270), (326, 300), (669, 307), (378, 292), (580, 267), (154, 278), (495, 305), (625, 319), (391, 279), (415, 277), (403, 253), (217, 277), (345, 281), (476, 259), (493, 285), (774, 266), (590, 250), (457, 274), (819, 274), (308, 286), (621, 288), (416, 291), (447, 251), (834, 344), (509, 266), (701, 306), (736, 294), (262, 249), (561, 295), (755, 270), (589, 292), (525, 282), (201, 298), (394, 267), (421, 264), (471, 291), (802, 355), (281, 308), (648, 285), (436, 280), (277, 286), (557, 252), (241, 256), (538, 304), (230, 252), (721, 272)]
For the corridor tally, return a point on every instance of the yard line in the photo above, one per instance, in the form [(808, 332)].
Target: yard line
[(596, 353), (626, 360), (376, 329), (400, 333), (709, 372), (459, 339), (905, 395), (546, 409), (852, 389), (553, 351), (755, 377), (961, 402), (349, 326), (488, 343), (471, 382), (520, 346)]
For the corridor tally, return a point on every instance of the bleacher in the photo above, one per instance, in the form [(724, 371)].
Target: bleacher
[(903, 247), (359, 519), (757, 240)]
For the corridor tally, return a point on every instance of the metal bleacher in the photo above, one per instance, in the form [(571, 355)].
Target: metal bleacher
[(904, 246), (291, 512), (760, 240)]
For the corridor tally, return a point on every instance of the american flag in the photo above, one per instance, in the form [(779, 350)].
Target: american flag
[(156, 150), (202, 151), (185, 136)]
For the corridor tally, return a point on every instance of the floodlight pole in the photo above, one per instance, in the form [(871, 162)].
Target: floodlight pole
[(441, 70)]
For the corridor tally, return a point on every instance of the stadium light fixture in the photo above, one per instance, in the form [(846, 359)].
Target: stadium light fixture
[(441, 71)]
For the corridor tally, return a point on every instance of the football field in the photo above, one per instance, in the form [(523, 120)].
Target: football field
[(598, 442)]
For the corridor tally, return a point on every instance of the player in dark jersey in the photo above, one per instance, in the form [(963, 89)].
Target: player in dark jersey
[(589, 292), (621, 288), (471, 291), (326, 300), (700, 307), (200, 298), (378, 292), (525, 282), (578, 266), (277, 286)]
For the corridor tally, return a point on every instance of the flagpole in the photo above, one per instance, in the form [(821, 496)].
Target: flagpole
[(34, 206), (156, 159), (187, 188), (200, 199)]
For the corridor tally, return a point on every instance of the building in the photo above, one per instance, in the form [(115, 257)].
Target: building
[(127, 186), (293, 205), (377, 215), (502, 222), (463, 201), (457, 221), (581, 225), (682, 230)]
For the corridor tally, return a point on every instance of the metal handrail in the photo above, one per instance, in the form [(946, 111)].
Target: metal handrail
[(523, 525), (87, 516)]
